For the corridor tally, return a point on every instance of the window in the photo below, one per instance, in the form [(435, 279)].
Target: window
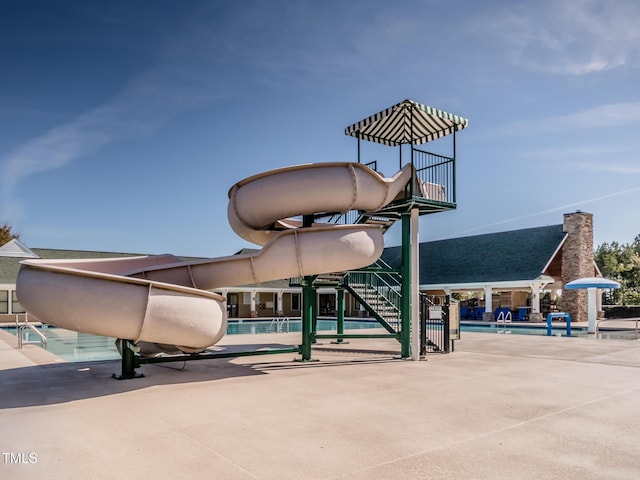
[(4, 301), (295, 301), (15, 305)]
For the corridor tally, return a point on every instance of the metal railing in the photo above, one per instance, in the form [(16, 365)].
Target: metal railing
[(434, 324), (373, 165), (619, 320), (352, 216), (26, 327), (436, 174), (381, 283), (279, 324), (379, 291), (503, 319), (348, 218)]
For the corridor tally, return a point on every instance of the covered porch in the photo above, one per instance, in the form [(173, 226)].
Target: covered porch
[(524, 300)]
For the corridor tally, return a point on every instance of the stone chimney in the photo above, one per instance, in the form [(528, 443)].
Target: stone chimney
[(577, 262)]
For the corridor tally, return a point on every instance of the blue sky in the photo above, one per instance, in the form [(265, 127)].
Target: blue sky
[(124, 123)]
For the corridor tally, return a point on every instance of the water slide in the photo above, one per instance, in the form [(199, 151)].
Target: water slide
[(163, 302)]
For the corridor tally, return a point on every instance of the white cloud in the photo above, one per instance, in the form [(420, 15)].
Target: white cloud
[(145, 103), (576, 37), (583, 151), (602, 116), (603, 167), (559, 208), (617, 159)]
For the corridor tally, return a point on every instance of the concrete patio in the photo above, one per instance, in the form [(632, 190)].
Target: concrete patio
[(499, 407)]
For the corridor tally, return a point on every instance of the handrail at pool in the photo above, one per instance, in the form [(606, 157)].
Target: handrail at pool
[(21, 341), (618, 319), (279, 322), (503, 319), (553, 315)]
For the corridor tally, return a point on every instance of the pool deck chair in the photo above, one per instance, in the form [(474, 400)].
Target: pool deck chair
[(521, 314)]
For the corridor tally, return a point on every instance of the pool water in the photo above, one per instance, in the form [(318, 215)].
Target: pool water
[(81, 347), (236, 327), (556, 331), (518, 330), (73, 346)]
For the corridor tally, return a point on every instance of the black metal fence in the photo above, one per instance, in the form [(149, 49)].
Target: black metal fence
[(434, 324), (436, 174)]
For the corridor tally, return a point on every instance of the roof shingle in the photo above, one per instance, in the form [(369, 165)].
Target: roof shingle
[(494, 257)]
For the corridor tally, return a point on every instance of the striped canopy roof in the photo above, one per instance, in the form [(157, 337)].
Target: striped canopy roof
[(407, 122)]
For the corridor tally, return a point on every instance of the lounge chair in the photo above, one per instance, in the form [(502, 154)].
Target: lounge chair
[(521, 314)]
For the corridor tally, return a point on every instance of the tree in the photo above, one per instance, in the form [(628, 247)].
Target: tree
[(622, 264), (7, 233)]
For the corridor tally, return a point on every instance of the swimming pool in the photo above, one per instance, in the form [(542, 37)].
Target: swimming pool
[(236, 327), (519, 329), (82, 347), (522, 330), (73, 346)]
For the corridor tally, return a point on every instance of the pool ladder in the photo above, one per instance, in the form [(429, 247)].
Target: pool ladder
[(279, 323), (23, 328), (503, 319)]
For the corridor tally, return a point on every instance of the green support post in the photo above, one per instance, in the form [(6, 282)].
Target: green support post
[(129, 361), (308, 308), (405, 331), (340, 315), (308, 305), (314, 317)]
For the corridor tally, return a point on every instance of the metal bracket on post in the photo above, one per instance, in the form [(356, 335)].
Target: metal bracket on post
[(129, 361)]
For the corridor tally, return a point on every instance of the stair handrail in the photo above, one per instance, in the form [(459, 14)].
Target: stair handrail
[(345, 218), (381, 283), (378, 279)]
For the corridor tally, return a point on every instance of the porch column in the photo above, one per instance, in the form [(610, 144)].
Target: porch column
[(253, 312), (600, 312), (279, 303), (592, 313), (488, 304), (536, 314), (224, 293)]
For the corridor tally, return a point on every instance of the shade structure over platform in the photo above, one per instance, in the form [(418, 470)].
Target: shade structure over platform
[(407, 122), (592, 284)]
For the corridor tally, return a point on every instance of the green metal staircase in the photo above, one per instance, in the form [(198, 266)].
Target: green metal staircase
[(378, 287), (378, 290)]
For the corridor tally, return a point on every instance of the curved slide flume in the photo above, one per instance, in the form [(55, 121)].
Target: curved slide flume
[(164, 300)]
